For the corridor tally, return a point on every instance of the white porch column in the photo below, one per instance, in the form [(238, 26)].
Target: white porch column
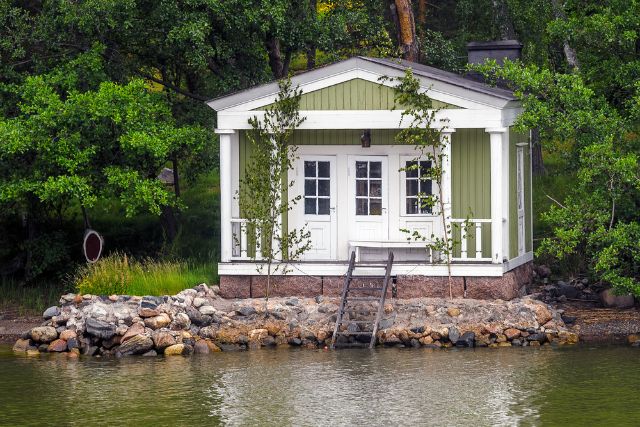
[(226, 194), (446, 139), (498, 138)]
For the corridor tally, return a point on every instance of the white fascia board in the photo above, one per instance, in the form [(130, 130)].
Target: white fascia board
[(518, 261), (339, 269), (356, 68), (369, 119)]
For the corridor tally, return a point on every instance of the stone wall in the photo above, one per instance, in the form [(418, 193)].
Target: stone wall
[(511, 285), (200, 321)]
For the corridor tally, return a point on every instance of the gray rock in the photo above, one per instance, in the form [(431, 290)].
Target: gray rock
[(319, 299), (246, 310), (537, 337), (385, 323), (229, 347), (198, 318), (610, 299), (295, 342), (292, 301), (50, 312), (207, 310), (415, 343), (100, 329), (137, 344), (467, 339), (44, 334), (454, 334), (516, 342), (199, 302), (150, 353), (567, 290)]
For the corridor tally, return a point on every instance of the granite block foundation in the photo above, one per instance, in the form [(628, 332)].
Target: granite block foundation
[(511, 285)]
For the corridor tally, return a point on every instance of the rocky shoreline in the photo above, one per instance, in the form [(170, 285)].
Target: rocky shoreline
[(199, 321)]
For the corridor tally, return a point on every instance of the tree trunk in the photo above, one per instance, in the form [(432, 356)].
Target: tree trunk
[(569, 52), (311, 45), (402, 13), (169, 223), (275, 57), (422, 12), (503, 20), (537, 163)]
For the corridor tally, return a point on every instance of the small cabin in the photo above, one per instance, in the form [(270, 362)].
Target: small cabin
[(358, 197)]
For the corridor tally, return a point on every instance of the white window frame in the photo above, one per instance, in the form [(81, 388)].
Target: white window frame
[(403, 189)]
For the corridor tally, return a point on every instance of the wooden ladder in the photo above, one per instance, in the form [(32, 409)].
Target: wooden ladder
[(348, 301)]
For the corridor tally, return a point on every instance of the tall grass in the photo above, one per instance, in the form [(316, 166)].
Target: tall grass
[(18, 298), (121, 275)]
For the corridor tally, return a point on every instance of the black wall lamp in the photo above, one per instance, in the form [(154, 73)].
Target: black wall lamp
[(365, 138)]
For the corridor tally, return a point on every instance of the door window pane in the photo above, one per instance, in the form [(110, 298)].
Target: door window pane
[(310, 205), (361, 188), (362, 206), (375, 188), (323, 169), (375, 207), (310, 169), (323, 206), (323, 187), (361, 170), (412, 187), (309, 187), (375, 169)]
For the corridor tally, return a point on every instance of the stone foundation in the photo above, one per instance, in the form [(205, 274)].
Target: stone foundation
[(511, 285)]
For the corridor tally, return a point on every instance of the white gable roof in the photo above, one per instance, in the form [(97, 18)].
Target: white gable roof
[(440, 85)]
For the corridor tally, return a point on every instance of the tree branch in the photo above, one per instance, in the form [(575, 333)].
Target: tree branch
[(174, 88)]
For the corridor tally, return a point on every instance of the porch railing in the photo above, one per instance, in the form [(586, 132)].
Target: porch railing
[(468, 233), (240, 241)]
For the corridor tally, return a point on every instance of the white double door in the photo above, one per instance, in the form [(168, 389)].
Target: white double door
[(366, 192)]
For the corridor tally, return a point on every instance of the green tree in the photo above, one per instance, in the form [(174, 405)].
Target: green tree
[(264, 191)]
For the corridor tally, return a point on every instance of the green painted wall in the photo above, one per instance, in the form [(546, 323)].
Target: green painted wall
[(356, 94), (342, 137), (516, 138), (471, 183)]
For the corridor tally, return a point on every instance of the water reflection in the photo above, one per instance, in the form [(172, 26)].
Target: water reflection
[(354, 387)]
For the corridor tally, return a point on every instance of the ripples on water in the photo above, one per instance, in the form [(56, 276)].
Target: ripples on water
[(546, 386)]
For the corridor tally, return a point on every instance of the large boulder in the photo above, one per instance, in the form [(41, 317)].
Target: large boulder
[(162, 339), (44, 334), (50, 312), (100, 329), (610, 299), (137, 344), (157, 322), (466, 340), (135, 329), (174, 350), (57, 346), (149, 306)]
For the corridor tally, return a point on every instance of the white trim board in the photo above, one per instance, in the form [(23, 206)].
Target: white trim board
[(375, 119), (517, 261)]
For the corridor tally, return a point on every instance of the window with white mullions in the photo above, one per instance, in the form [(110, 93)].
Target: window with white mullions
[(368, 188), (418, 187), (317, 184)]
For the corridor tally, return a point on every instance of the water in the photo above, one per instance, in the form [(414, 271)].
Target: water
[(580, 385)]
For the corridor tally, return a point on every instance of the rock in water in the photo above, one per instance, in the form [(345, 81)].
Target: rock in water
[(610, 299), (174, 350), (201, 347), (44, 334), (467, 339), (163, 339), (137, 344), (50, 312), (58, 346), (454, 334), (512, 333), (21, 345), (135, 329), (100, 329)]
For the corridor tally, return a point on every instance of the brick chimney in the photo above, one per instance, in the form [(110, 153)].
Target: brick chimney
[(478, 52)]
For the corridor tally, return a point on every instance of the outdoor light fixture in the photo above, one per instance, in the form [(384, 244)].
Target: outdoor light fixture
[(365, 138)]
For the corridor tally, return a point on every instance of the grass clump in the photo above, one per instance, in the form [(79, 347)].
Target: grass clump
[(121, 275), (21, 299)]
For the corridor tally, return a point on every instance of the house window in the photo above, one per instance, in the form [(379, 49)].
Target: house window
[(317, 195), (368, 188), (418, 186)]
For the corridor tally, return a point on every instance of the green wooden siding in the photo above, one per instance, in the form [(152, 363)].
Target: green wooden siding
[(471, 183), (516, 138), (355, 94), (342, 137)]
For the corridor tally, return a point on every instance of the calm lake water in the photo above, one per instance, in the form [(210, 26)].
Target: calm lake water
[(580, 385)]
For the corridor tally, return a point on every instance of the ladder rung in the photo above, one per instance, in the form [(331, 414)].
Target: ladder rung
[(354, 333), (365, 289), (351, 344), (348, 298), (364, 277)]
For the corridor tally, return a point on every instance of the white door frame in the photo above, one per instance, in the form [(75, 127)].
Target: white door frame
[(328, 220)]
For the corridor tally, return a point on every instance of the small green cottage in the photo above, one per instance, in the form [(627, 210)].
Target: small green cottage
[(357, 197)]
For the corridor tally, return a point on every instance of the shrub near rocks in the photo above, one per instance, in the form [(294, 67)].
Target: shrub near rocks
[(199, 321)]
